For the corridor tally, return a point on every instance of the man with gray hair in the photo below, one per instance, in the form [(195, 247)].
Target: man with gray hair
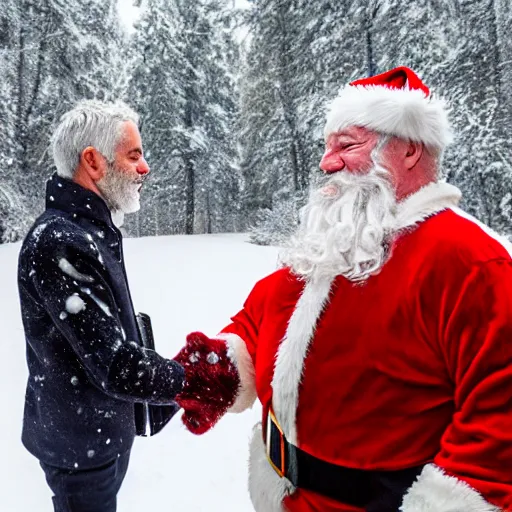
[(88, 370)]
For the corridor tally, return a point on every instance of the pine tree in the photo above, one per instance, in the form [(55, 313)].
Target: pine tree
[(477, 162), (155, 90), (219, 180), (273, 158), (184, 88), (503, 19), (459, 48), (62, 51), (14, 218), (300, 54), (503, 26)]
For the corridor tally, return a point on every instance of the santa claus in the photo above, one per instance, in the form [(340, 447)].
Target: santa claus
[(381, 351)]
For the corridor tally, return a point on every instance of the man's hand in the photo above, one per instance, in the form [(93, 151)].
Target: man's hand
[(211, 382)]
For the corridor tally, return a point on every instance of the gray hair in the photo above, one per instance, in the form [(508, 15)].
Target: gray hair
[(90, 123)]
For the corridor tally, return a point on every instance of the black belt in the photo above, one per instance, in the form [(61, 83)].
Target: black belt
[(374, 491)]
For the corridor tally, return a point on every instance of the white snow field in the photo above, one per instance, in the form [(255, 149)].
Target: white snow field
[(185, 283)]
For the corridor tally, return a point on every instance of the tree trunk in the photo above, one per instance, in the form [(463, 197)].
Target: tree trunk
[(370, 14), (189, 175), (285, 99)]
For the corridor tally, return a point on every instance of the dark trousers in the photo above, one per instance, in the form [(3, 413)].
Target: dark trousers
[(90, 490)]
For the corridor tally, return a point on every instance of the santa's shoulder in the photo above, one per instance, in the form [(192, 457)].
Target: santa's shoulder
[(454, 234), (282, 277), (279, 284)]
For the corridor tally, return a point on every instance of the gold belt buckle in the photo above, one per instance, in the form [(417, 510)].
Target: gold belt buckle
[(273, 430)]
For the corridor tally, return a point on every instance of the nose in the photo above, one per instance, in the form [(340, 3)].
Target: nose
[(142, 167), (331, 162)]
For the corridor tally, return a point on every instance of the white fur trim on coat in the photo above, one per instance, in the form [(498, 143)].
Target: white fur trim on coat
[(239, 355), (292, 353), (435, 491), (293, 349), (427, 201), (408, 114), (266, 488)]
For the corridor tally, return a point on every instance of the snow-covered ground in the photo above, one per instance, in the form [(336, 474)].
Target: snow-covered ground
[(185, 283)]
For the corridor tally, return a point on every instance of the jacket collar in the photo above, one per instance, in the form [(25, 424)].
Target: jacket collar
[(66, 195), (426, 202)]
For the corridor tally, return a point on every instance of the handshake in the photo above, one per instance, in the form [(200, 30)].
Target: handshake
[(212, 382)]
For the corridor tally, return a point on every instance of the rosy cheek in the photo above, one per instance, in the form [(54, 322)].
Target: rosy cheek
[(359, 160)]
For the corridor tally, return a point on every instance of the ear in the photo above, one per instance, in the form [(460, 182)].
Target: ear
[(93, 162), (413, 153)]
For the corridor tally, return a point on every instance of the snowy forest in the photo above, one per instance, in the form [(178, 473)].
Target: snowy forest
[(232, 100)]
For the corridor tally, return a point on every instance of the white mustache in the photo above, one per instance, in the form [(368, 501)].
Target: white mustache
[(345, 227)]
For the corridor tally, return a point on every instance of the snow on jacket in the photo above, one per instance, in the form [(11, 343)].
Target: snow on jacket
[(86, 365)]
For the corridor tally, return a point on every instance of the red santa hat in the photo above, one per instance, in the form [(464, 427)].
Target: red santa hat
[(397, 103)]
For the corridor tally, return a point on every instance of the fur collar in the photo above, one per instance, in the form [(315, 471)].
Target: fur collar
[(426, 202)]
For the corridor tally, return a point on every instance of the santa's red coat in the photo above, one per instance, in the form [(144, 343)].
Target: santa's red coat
[(414, 366)]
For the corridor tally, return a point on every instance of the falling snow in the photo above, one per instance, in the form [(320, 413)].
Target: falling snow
[(74, 304)]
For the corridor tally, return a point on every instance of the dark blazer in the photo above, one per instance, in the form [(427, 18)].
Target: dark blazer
[(86, 364)]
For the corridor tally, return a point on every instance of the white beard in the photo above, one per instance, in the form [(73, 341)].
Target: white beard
[(120, 190), (346, 228)]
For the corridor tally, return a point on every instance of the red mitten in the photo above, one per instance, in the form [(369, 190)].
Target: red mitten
[(211, 382)]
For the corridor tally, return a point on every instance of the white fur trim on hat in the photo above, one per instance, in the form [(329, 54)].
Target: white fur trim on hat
[(435, 491), (408, 114)]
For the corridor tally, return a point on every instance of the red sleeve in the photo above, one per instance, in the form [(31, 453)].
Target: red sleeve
[(476, 341), (246, 322)]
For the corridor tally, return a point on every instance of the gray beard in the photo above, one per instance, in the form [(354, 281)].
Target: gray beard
[(119, 190), (346, 227)]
